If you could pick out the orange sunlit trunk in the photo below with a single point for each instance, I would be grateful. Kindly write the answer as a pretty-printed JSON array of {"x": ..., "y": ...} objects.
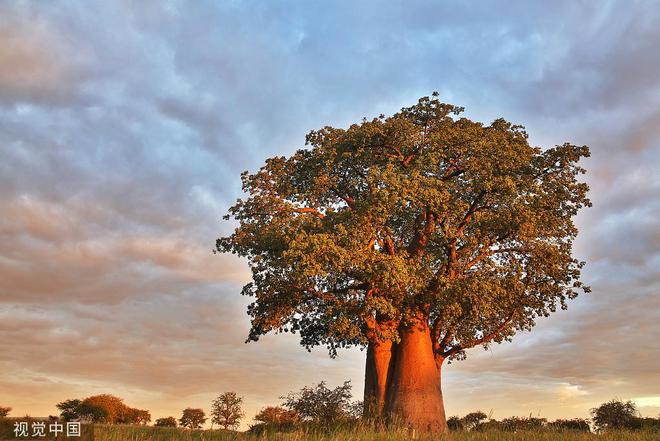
[{"x": 414, "y": 396}]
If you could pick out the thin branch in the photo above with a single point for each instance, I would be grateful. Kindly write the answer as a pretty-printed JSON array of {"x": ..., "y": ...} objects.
[
  {"x": 313, "y": 211},
  {"x": 485, "y": 339}
]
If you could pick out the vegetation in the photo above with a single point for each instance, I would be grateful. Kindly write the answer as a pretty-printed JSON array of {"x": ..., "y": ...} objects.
[
  {"x": 615, "y": 415},
  {"x": 192, "y": 418},
  {"x": 4, "y": 411},
  {"x": 322, "y": 405},
  {"x": 418, "y": 236},
  {"x": 226, "y": 410},
  {"x": 103, "y": 408},
  {"x": 578, "y": 424},
  {"x": 275, "y": 419},
  {"x": 165, "y": 422},
  {"x": 321, "y": 413},
  {"x": 337, "y": 433}
]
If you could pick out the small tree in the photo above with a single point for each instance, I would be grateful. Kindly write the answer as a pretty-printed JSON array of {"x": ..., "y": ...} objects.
[
  {"x": 4, "y": 411},
  {"x": 472, "y": 420},
  {"x": 136, "y": 416},
  {"x": 192, "y": 418},
  {"x": 69, "y": 409},
  {"x": 277, "y": 416},
  {"x": 226, "y": 410},
  {"x": 321, "y": 404},
  {"x": 165, "y": 422},
  {"x": 614, "y": 414}
]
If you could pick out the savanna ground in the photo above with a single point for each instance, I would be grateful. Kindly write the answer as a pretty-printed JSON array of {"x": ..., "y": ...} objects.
[{"x": 144, "y": 433}]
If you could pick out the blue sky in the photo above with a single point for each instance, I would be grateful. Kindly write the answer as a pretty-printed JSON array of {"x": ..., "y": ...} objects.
[{"x": 124, "y": 127}]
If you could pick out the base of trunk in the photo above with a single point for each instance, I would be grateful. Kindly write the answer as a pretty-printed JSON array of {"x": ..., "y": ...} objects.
[
  {"x": 377, "y": 376},
  {"x": 414, "y": 396}
]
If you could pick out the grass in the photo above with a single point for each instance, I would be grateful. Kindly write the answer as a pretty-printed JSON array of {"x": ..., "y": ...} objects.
[
  {"x": 146, "y": 433},
  {"x": 127, "y": 433}
]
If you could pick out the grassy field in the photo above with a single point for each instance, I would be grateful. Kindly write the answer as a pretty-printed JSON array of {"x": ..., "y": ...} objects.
[
  {"x": 141, "y": 433},
  {"x": 157, "y": 434}
]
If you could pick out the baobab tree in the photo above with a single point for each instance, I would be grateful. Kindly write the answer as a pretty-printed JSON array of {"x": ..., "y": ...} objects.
[{"x": 416, "y": 236}]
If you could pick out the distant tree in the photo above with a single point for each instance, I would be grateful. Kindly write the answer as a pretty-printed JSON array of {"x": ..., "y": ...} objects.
[
  {"x": 94, "y": 413},
  {"x": 4, "y": 411},
  {"x": 165, "y": 422},
  {"x": 277, "y": 416},
  {"x": 614, "y": 414},
  {"x": 103, "y": 408},
  {"x": 226, "y": 410},
  {"x": 135, "y": 416},
  {"x": 113, "y": 407},
  {"x": 192, "y": 418},
  {"x": 473, "y": 419},
  {"x": 454, "y": 423},
  {"x": 69, "y": 409},
  {"x": 577, "y": 424},
  {"x": 320, "y": 403}
]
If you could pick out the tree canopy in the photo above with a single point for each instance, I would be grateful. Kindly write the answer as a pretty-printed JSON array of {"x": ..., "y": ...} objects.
[
  {"x": 192, "y": 418},
  {"x": 421, "y": 214}
]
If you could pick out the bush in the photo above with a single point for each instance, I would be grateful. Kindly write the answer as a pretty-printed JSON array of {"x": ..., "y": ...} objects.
[
  {"x": 614, "y": 415},
  {"x": 320, "y": 404},
  {"x": 454, "y": 423},
  {"x": 516, "y": 424},
  {"x": 650, "y": 424},
  {"x": 577, "y": 424},
  {"x": 4, "y": 411},
  {"x": 165, "y": 422}
]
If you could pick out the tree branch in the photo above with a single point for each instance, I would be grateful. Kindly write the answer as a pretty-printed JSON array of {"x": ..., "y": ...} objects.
[
  {"x": 485, "y": 339},
  {"x": 313, "y": 211}
]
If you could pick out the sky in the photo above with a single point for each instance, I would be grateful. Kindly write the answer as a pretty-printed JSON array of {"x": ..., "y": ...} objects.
[{"x": 124, "y": 127}]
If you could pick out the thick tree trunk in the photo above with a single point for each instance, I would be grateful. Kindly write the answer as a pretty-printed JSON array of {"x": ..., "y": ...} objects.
[
  {"x": 414, "y": 394},
  {"x": 376, "y": 378}
]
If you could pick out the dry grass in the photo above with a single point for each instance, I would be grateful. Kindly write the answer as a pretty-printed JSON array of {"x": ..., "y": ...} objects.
[{"x": 355, "y": 433}]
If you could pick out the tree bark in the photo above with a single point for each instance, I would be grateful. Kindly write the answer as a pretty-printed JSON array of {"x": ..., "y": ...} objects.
[
  {"x": 378, "y": 371},
  {"x": 414, "y": 395}
]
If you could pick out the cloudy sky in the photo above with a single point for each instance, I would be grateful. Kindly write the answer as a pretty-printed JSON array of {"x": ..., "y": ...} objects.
[{"x": 124, "y": 127}]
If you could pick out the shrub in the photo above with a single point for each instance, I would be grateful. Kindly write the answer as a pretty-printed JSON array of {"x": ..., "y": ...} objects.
[
  {"x": 4, "y": 411},
  {"x": 165, "y": 422},
  {"x": 454, "y": 423},
  {"x": 321, "y": 404},
  {"x": 615, "y": 414},
  {"x": 515, "y": 424},
  {"x": 577, "y": 424}
]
